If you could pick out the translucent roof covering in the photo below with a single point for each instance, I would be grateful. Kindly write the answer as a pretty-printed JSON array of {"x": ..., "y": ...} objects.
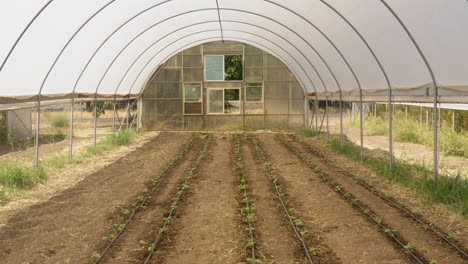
[{"x": 335, "y": 48}]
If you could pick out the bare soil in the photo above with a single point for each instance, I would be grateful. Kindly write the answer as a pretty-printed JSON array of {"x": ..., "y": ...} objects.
[
  {"x": 422, "y": 239},
  {"x": 324, "y": 213},
  {"x": 208, "y": 225},
  {"x": 65, "y": 228},
  {"x": 208, "y": 229}
]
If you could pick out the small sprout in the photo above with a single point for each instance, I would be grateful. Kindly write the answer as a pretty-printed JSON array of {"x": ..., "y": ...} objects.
[
  {"x": 379, "y": 220},
  {"x": 366, "y": 211},
  {"x": 409, "y": 246},
  {"x": 452, "y": 237},
  {"x": 304, "y": 232},
  {"x": 298, "y": 222},
  {"x": 250, "y": 243},
  {"x": 145, "y": 190},
  {"x": 168, "y": 219},
  {"x": 250, "y": 216},
  {"x": 313, "y": 251},
  {"x": 433, "y": 262},
  {"x": 125, "y": 212},
  {"x": 163, "y": 230},
  {"x": 253, "y": 260},
  {"x": 390, "y": 231},
  {"x": 150, "y": 247},
  {"x": 250, "y": 229},
  {"x": 339, "y": 187},
  {"x": 108, "y": 237},
  {"x": 95, "y": 255},
  {"x": 141, "y": 198}
]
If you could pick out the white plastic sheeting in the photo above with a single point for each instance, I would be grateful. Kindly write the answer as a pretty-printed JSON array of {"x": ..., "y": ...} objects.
[{"x": 56, "y": 48}]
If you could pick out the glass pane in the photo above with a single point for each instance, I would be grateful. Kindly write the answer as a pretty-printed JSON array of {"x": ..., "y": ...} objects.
[
  {"x": 232, "y": 101},
  {"x": 214, "y": 67},
  {"x": 215, "y": 101},
  {"x": 233, "y": 68},
  {"x": 192, "y": 92},
  {"x": 254, "y": 92}
]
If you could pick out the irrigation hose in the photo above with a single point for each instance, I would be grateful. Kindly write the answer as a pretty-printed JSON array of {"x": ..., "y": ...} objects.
[
  {"x": 168, "y": 168},
  {"x": 385, "y": 198}
]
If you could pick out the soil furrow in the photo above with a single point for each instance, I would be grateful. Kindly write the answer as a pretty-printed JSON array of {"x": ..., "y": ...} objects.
[
  {"x": 134, "y": 241},
  {"x": 350, "y": 235},
  {"x": 426, "y": 243},
  {"x": 65, "y": 228},
  {"x": 207, "y": 229},
  {"x": 277, "y": 241}
]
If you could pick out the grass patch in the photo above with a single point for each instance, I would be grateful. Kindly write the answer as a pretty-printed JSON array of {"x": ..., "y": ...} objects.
[
  {"x": 59, "y": 121},
  {"x": 450, "y": 142},
  {"x": 18, "y": 177},
  {"x": 451, "y": 190},
  {"x": 308, "y": 132},
  {"x": 15, "y": 177}
]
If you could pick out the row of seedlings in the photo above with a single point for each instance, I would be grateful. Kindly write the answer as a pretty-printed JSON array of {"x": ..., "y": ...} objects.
[
  {"x": 127, "y": 215},
  {"x": 390, "y": 232},
  {"x": 176, "y": 199},
  {"x": 297, "y": 225},
  {"x": 389, "y": 200},
  {"x": 248, "y": 207}
]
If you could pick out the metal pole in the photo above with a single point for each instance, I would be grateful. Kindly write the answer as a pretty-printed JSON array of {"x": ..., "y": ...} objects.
[
  {"x": 95, "y": 120},
  {"x": 138, "y": 116},
  {"x": 361, "y": 117},
  {"x": 420, "y": 116},
  {"x": 316, "y": 115},
  {"x": 436, "y": 137},
  {"x": 328, "y": 124},
  {"x": 453, "y": 120},
  {"x": 406, "y": 112},
  {"x": 128, "y": 115},
  {"x": 390, "y": 132},
  {"x": 38, "y": 124},
  {"x": 341, "y": 120},
  {"x": 427, "y": 117},
  {"x": 113, "y": 115},
  {"x": 72, "y": 119}
]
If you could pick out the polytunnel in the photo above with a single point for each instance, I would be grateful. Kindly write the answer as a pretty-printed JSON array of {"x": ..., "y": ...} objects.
[{"x": 356, "y": 51}]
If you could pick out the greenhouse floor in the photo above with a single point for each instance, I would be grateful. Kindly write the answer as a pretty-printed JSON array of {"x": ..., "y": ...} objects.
[{"x": 224, "y": 198}]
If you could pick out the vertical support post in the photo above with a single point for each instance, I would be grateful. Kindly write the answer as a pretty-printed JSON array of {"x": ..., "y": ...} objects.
[
  {"x": 316, "y": 115},
  {"x": 306, "y": 112},
  {"x": 38, "y": 127},
  {"x": 436, "y": 137},
  {"x": 427, "y": 118},
  {"x": 138, "y": 114},
  {"x": 328, "y": 124},
  {"x": 341, "y": 120},
  {"x": 420, "y": 115},
  {"x": 95, "y": 120},
  {"x": 390, "y": 132},
  {"x": 128, "y": 115},
  {"x": 453, "y": 121},
  {"x": 72, "y": 120},
  {"x": 113, "y": 115},
  {"x": 406, "y": 112},
  {"x": 361, "y": 117}
]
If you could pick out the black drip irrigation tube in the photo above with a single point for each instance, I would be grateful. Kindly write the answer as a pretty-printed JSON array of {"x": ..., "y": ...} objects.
[
  {"x": 389, "y": 201},
  {"x": 184, "y": 187},
  {"x": 268, "y": 173},
  {"x": 416, "y": 256},
  {"x": 245, "y": 198},
  {"x": 156, "y": 183}
]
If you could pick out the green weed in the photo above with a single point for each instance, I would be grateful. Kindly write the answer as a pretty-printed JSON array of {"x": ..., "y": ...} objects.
[
  {"x": 18, "y": 177},
  {"x": 450, "y": 190}
]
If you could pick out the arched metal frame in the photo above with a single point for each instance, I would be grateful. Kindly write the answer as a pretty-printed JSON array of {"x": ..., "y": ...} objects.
[{"x": 429, "y": 68}]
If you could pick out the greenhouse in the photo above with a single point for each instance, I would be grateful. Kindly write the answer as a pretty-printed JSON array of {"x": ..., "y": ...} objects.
[{"x": 328, "y": 131}]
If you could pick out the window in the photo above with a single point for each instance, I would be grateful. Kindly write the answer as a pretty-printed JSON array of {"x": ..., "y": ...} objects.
[
  {"x": 193, "y": 99},
  {"x": 254, "y": 98},
  {"x": 223, "y": 68},
  {"x": 224, "y": 101}
]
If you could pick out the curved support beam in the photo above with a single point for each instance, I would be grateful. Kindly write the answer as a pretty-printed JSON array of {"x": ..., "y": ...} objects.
[
  {"x": 23, "y": 32},
  {"x": 434, "y": 81},
  {"x": 219, "y": 19},
  {"x": 146, "y": 65},
  {"x": 387, "y": 79},
  {"x": 230, "y": 21}
]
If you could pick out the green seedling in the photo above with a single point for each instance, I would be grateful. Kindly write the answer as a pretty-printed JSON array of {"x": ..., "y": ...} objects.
[
  {"x": 304, "y": 232},
  {"x": 298, "y": 223},
  {"x": 150, "y": 247},
  {"x": 125, "y": 212},
  {"x": 253, "y": 260},
  {"x": 108, "y": 237},
  {"x": 409, "y": 246},
  {"x": 433, "y": 262},
  {"x": 313, "y": 251},
  {"x": 95, "y": 255},
  {"x": 250, "y": 229},
  {"x": 452, "y": 237},
  {"x": 390, "y": 231},
  {"x": 250, "y": 243}
]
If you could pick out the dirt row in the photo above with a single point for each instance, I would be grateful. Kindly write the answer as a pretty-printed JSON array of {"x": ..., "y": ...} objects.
[{"x": 207, "y": 225}]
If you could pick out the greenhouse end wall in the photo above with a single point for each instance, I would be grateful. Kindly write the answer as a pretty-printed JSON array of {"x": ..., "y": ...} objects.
[{"x": 179, "y": 96}]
